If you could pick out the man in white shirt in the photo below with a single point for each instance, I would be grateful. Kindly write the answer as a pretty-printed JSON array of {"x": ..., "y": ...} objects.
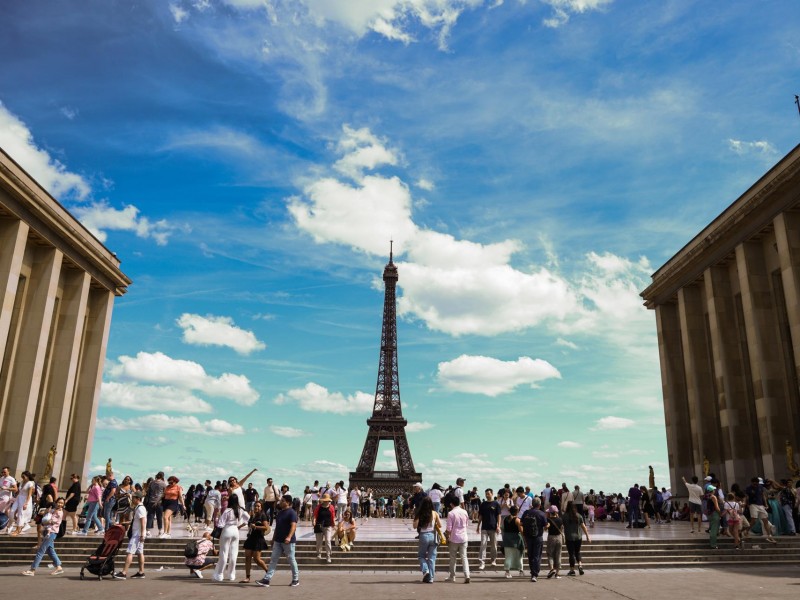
[
  {"x": 8, "y": 487},
  {"x": 695, "y": 502},
  {"x": 459, "y": 491},
  {"x": 523, "y": 501},
  {"x": 546, "y": 496},
  {"x": 271, "y": 496},
  {"x": 136, "y": 543}
]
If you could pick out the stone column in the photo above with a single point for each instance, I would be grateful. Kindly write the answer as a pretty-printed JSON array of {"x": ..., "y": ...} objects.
[
  {"x": 59, "y": 393},
  {"x": 673, "y": 382},
  {"x": 787, "y": 238},
  {"x": 699, "y": 380},
  {"x": 26, "y": 376},
  {"x": 738, "y": 436},
  {"x": 13, "y": 236},
  {"x": 766, "y": 363},
  {"x": 80, "y": 434}
]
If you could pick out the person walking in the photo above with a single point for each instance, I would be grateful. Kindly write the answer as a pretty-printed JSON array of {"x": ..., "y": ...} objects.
[
  {"x": 732, "y": 512},
  {"x": 634, "y": 506},
  {"x": 270, "y": 499},
  {"x": 714, "y": 516},
  {"x": 458, "y": 520},
  {"x": 574, "y": 526},
  {"x": 488, "y": 527},
  {"x": 324, "y": 523},
  {"x": 230, "y": 522},
  {"x": 109, "y": 500},
  {"x": 153, "y": 503},
  {"x": 72, "y": 501},
  {"x": 172, "y": 503},
  {"x": 283, "y": 542},
  {"x": 136, "y": 542},
  {"x": 427, "y": 523},
  {"x": 8, "y": 487},
  {"x": 93, "y": 499},
  {"x": 22, "y": 508},
  {"x": 513, "y": 544},
  {"x": 757, "y": 501},
  {"x": 534, "y": 522},
  {"x": 51, "y": 521},
  {"x": 555, "y": 536},
  {"x": 211, "y": 506},
  {"x": 256, "y": 542}
]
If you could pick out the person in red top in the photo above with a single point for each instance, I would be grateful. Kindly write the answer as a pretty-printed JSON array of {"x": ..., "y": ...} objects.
[{"x": 324, "y": 521}]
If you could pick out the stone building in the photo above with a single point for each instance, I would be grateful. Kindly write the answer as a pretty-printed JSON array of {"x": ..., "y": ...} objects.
[
  {"x": 57, "y": 290},
  {"x": 728, "y": 317}
]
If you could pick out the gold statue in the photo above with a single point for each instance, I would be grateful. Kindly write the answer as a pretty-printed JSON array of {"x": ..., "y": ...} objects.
[
  {"x": 109, "y": 470},
  {"x": 792, "y": 466},
  {"x": 652, "y": 478},
  {"x": 706, "y": 466},
  {"x": 51, "y": 459}
]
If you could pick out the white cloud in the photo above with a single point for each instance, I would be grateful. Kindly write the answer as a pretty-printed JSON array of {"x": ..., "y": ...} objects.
[
  {"x": 415, "y": 426},
  {"x": 221, "y": 140},
  {"x": 287, "y": 432},
  {"x": 492, "y": 377},
  {"x": 568, "y": 444},
  {"x": 98, "y": 217},
  {"x": 217, "y": 331},
  {"x": 150, "y": 397},
  {"x": 158, "y": 368},
  {"x": 17, "y": 141},
  {"x": 362, "y": 150},
  {"x": 178, "y": 13},
  {"x": 520, "y": 458},
  {"x": 426, "y": 184},
  {"x": 566, "y": 344},
  {"x": 315, "y": 398},
  {"x": 161, "y": 422},
  {"x": 748, "y": 148},
  {"x": 563, "y": 9},
  {"x": 69, "y": 112},
  {"x": 611, "y": 423}
]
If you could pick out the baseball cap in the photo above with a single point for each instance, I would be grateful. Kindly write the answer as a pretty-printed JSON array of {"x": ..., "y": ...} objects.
[{"x": 710, "y": 488}]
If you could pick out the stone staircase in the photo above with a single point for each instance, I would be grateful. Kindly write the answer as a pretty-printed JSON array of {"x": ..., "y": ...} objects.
[{"x": 402, "y": 555}]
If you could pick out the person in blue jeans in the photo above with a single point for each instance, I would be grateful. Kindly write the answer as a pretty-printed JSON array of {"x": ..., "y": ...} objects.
[
  {"x": 283, "y": 542},
  {"x": 51, "y": 527},
  {"x": 634, "y": 505},
  {"x": 92, "y": 507},
  {"x": 426, "y": 522},
  {"x": 109, "y": 500}
]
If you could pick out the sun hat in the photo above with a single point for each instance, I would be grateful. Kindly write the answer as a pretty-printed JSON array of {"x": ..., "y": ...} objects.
[
  {"x": 553, "y": 509},
  {"x": 325, "y": 498}
]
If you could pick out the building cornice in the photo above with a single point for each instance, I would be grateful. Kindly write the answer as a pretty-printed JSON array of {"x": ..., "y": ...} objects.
[
  {"x": 746, "y": 217},
  {"x": 30, "y": 202}
]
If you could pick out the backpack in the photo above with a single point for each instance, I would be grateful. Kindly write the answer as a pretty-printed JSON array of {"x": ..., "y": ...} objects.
[
  {"x": 530, "y": 524},
  {"x": 191, "y": 550},
  {"x": 123, "y": 502}
]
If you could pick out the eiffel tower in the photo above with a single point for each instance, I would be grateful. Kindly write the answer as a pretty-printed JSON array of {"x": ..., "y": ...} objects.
[{"x": 387, "y": 422}]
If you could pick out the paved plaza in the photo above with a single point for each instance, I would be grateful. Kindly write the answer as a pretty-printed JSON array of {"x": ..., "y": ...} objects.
[{"x": 663, "y": 584}]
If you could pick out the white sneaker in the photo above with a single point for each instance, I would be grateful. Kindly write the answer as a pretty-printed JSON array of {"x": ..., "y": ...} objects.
[{"x": 198, "y": 574}]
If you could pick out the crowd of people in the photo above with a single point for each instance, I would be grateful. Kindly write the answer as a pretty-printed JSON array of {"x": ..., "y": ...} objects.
[{"x": 509, "y": 521}]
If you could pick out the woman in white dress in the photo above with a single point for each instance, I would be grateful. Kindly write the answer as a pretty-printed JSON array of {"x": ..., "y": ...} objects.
[{"x": 22, "y": 509}]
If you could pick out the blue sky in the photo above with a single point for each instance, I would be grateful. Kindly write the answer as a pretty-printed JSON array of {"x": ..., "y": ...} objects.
[{"x": 534, "y": 161}]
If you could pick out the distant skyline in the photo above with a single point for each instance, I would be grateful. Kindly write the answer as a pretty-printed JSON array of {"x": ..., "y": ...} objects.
[{"x": 533, "y": 161}]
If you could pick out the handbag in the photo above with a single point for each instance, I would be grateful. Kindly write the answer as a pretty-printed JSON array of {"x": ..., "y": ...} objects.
[
  {"x": 216, "y": 532},
  {"x": 440, "y": 537}
]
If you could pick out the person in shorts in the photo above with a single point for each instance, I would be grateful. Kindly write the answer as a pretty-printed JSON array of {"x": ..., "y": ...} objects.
[
  {"x": 136, "y": 542},
  {"x": 201, "y": 562},
  {"x": 695, "y": 502}
]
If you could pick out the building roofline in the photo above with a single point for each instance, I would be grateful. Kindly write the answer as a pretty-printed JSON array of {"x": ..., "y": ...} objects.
[
  {"x": 47, "y": 217},
  {"x": 746, "y": 216}
]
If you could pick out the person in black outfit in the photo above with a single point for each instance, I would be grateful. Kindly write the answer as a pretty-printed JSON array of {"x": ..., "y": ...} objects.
[
  {"x": 256, "y": 542},
  {"x": 73, "y": 500},
  {"x": 534, "y": 522}
]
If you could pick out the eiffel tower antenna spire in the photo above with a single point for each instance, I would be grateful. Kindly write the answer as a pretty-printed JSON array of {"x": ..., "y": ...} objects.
[{"x": 387, "y": 422}]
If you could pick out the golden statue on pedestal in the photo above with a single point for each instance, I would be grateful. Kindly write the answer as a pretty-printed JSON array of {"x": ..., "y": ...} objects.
[
  {"x": 706, "y": 467},
  {"x": 652, "y": 478},
  {"x": 794, "y": 470},
  {"x": 48, "y": 467},
  {"x": 109, "y": 470}
]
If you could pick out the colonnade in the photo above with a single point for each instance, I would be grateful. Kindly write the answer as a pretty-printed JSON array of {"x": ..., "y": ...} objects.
[{"x": 57, "y": 290}]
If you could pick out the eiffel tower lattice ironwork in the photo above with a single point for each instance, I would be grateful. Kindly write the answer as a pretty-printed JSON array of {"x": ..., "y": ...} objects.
[{"x": 387, "y": 422}]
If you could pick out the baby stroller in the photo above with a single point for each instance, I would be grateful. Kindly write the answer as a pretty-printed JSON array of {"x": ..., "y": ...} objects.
[{"x": 101, "y": 563}]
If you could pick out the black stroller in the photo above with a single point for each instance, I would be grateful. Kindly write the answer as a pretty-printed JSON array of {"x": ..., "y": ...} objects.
[{"x": 101, "y": 563}]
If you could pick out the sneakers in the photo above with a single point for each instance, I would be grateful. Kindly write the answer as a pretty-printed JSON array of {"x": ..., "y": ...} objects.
[
  {"x": 571, "y": 573},
  {"x": 466, "y": 580},
  {"x": 263, "y": 582},
  {"x": 481, "y": 567},
  {"x": 319, "y": 556},
  {"x": 58, "y": 571},
  {"x": 508, "y": 574},
  {"x": 329, "y": 560},
  {"x": 533, "y": 578},
  {"x": 580, "y": 570},
  {"x": 426, "y": 578},
  {"x": 120, "y": 575},
  {"x": 294, "y": 583},
  {"x": 137, "y": 575},
  {"x": 79, "y": 532},
  {"x": 197, "y": 574},
  {"x": 29, "y": 573},
  {"x": 493, "y": 563},
  {"x": 450, "y": 580},
  {"x": 551, "y": 574}
]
